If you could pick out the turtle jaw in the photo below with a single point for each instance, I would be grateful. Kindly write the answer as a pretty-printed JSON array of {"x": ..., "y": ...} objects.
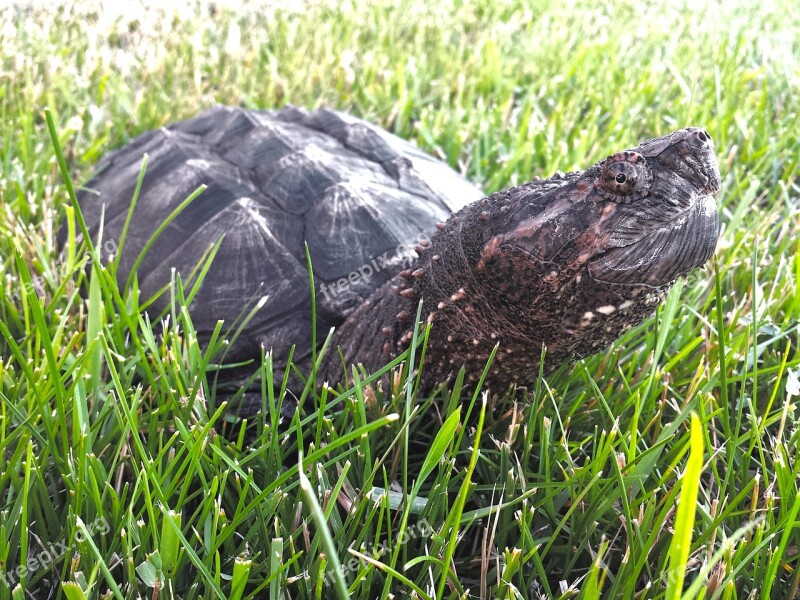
[{"x": 677, "y": 247}]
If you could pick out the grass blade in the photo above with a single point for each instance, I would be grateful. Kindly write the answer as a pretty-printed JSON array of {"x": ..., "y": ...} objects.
[
  {"x": 339, "y": 584},
  {"x": 687, "y": 506}
]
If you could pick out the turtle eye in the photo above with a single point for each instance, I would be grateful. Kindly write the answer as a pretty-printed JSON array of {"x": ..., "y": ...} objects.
[{"x": 624, "y": 177}]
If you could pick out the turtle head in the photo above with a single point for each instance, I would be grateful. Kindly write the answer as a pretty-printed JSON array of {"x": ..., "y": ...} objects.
[
  {"x": 641, "y": 217},
  {"x": 595, "y": 251},
  {"x": 659, "y": 217}
]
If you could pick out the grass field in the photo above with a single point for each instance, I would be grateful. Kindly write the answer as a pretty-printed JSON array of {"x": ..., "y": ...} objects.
[{"x": 113, "y": 480}]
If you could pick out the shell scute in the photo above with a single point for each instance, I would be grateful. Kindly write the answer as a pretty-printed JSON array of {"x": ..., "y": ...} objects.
[{"x": 359, "y": 196}]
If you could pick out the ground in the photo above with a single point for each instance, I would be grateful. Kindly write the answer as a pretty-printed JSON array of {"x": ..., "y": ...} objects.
[{"x": 114, "y": 478}]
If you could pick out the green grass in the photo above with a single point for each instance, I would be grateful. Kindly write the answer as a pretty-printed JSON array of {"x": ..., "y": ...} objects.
[{"x": 109, "y": 444}]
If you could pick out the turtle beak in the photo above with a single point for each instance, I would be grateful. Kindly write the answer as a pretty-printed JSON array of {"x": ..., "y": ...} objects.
[
  {"x": 690, "y": 153},
  {"x": 704, "y": 149}
]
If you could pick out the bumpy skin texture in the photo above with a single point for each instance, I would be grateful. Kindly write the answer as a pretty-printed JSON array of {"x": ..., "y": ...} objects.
[{"x": 566, "y": 263}]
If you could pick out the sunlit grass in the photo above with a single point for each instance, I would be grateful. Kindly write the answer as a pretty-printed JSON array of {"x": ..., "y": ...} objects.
[{"x": 114, "y": 478}]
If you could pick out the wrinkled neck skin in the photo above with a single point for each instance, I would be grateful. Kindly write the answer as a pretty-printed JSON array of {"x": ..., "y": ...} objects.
[{"x": 477, "y": 294}]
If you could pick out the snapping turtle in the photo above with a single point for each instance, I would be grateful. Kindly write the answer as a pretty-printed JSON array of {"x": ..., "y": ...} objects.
[{"x": 568, "y": 262}]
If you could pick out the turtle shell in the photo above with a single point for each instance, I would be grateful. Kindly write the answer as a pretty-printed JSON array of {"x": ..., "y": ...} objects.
[{"x": 277, "y": 180}]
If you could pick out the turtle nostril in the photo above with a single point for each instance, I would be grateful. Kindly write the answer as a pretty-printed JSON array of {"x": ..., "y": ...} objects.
[{"x": 704, "y": 137}]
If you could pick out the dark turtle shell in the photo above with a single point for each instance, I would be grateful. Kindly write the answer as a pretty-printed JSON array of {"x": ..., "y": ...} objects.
[{"x": 358, "y": 196}]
